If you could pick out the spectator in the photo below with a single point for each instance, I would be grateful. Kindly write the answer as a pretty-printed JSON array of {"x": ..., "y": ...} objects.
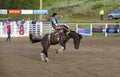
[
  {"x": 7, "y": 22},
  {"x": 34, "y": 21},
  {"x": 101, "y": 14},
  {"x": 22, "y": 22},
  {"x": 8, "y": 33},
  {"x": 18, "y": 22}
]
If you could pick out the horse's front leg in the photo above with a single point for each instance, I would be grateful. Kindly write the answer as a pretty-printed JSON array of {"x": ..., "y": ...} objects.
[
  {"x": 62, "y": 43},
  {"x": 61, "y": 48}
]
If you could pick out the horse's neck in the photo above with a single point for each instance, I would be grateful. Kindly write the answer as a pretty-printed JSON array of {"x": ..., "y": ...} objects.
[{"x": 72, "y": 34}]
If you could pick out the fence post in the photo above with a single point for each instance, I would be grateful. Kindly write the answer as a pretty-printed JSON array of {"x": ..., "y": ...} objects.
[
  {"x": 41, "y": 26},
  {"x": 118, "y": 29},
  {"x": 36, "y": 28},
  {"x": 106, "y": 26},
  {"x": 77, "y": 28},
  {"x": 0, "y": 28},
  {"x": 28, "y": 25},
  {"x": 90, "y": 29},
  {"x": 49, "y": 29},
  {"x": 32, "y": 28},
  {"x": 15, "y": 28}
]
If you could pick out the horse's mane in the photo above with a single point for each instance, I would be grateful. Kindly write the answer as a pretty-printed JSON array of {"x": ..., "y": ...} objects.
[{"x": 75, "y": 33}]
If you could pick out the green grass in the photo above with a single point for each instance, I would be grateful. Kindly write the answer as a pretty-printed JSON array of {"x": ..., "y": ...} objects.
[{"x": 80, "y": 10}]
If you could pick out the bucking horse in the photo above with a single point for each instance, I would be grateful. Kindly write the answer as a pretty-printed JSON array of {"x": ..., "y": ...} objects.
[{"x": 56, "y": 38}]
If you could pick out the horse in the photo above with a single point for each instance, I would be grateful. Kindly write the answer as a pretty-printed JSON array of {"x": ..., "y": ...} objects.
[{"x": 53, "y": 39}]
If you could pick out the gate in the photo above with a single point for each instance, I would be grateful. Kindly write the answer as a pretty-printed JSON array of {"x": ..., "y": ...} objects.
[{"x": 21, "y": 30}]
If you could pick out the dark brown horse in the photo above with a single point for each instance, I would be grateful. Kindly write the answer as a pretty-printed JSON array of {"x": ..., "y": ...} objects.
[{"x": 55, "y": 38}]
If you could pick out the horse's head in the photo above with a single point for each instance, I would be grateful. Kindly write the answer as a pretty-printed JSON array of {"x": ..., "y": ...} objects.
[
  {"x": 77, "y": 41},
  {"x": 76, "y": 37}
]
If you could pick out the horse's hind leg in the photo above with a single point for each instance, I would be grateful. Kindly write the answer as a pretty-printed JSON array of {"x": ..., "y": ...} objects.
[{"x": 44, "y": 55}]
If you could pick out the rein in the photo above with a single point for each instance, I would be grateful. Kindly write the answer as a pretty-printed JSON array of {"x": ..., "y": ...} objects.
[{"x": 68, "y": 32}]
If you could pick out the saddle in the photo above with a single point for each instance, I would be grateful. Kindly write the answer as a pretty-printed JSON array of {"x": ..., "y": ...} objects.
[{"x": 55, "y": 36}]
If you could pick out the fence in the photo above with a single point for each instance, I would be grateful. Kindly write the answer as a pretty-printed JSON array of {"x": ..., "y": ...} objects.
[
  {"x": 113, "y": 29},
  {"x": 98, "y": 29},
  {"x": 106, "y": 29},
  {"x": 86, "y": 29}
]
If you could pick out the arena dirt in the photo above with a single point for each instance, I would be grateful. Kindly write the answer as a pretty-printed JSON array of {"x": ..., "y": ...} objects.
[{"x": 96, "y": 57}]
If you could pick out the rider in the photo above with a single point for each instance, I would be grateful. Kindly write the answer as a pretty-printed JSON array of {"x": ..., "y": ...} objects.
[
  {"x": 57, "y": 27},
  {"x": 55, "y": 22}
]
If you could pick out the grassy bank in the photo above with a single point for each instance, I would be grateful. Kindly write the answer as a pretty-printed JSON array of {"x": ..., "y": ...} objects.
[{"x": 81, "y": 10}]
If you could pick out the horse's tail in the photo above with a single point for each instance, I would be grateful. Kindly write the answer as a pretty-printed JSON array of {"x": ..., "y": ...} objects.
[{"x": 33, "y": 39}]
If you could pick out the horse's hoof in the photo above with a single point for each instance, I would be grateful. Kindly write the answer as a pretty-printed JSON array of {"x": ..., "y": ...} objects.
[
  {"x": 47, "y": 60},
  {"x": 42, "y": 60},
  {"x": 56, "y": 50},
  {"x": 60, "y": 51}
]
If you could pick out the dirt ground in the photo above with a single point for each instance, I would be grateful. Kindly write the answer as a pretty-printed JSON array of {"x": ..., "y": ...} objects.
[{"x": 96, "y": 57}]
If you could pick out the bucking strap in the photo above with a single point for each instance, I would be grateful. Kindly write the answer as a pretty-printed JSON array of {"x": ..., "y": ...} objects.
[{"x": 49, "y": 38}]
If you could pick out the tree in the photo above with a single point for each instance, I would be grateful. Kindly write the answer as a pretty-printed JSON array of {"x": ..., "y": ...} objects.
[{"x": 20, "y": 4}]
